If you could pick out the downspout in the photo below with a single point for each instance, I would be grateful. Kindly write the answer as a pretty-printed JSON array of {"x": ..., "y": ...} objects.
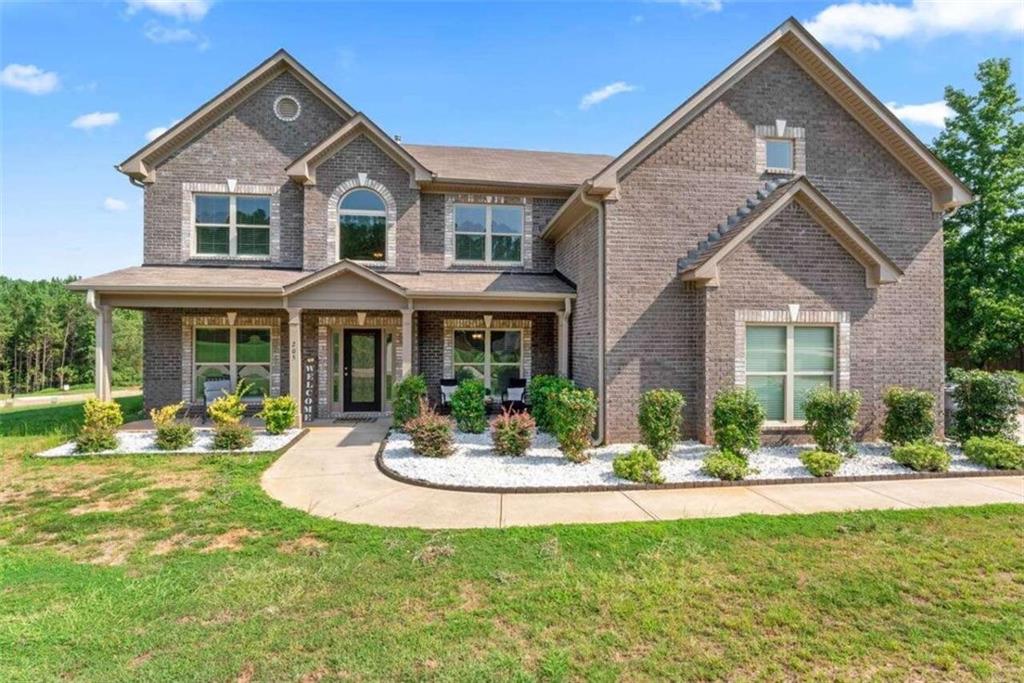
[{"x": 601, "y": 393}]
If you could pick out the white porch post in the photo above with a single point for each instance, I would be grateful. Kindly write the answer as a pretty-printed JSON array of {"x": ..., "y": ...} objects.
[
  {"x": 563, "y": 339},
  {"x": 104, "y": 344},
  {"x": 406, "y": 342},
  {"x": 295, "y": 361}
]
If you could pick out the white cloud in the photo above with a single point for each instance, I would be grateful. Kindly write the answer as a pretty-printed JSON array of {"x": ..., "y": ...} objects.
[
  {"x": 928, "y": 114},
  {"x": 860, "y": 26},
  {"x": 114, "y": 205},
  {"x": 156, "y": 32},
  {"x": 96, "y": 119},
  {"x": 704, "y": 5},
  {"x": 29, "y": 78},
  {"x": 154, "y": 133},
  {"x": 601, "y": 94},
  {"x": 193, "y": 10}
]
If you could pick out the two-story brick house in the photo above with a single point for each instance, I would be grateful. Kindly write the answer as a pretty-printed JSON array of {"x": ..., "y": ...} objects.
[{"x": 781, "y": 229}]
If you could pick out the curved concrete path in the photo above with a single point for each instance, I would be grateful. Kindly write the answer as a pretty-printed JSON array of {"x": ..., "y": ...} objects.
[{"x": 331, "y": 473}]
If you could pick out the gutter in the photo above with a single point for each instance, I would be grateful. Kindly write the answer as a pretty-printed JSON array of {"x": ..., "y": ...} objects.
[{"x": 601, "y": 393}]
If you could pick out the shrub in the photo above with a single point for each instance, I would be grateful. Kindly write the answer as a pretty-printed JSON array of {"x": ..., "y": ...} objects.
[
  {"x": 736, "y": 420},
  {"x": 278, "y": 413},
  {"x": 162, "y": 417},
  {"x": 92, "y": 439},
  {"x": 512, "y": 432},
  {"x": 542, "y": 388},
  {"x": 468, "y": 407},
  {"x": 986, "y": 404},
  {"x": 573, "y": 414},
  {"x": 229, "y": 408},
  {"x": 408, "y": 394},
  {"x": 922, "y": 456},
  {"x": 232, "y": 436},
  {"x": 640, "y": 465},
  {"x": 727, "y": 466},
  {"x": 174, "y": 436},
  {"x": 831, "y": 419},
  {"x": 910, "y": 415},
  {"x": 660, "y": 413},
  {"x": 994, "y": 452},
  {"x": 821, "y": 463},
  {"x": 432, "y": 434},
  {"x": 102, "y": 414}
]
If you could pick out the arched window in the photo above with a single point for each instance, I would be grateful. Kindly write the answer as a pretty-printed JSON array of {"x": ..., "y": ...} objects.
[{"x": 362, "y": 226}]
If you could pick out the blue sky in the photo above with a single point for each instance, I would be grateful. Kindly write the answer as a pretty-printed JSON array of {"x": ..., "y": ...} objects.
[{"x": 83, "y": 83}]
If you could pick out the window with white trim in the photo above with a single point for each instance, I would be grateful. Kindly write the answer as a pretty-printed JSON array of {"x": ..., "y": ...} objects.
[
  {"x": 491, "y": 356},
  {"x": 233, "y": 354},
  {"x": 779, "y": 153},
  {"x": 231, "y": 225},
  {"x": 362, "y": 226},
  {"x": 785, "y": 363},
  {"x": 488, "y": 233}
]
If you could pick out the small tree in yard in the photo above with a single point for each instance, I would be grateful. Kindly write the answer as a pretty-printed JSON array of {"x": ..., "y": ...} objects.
[
  {"x": 736, "y": 420},
  {"x": 831, "y": 419},
  {"x": 573, "y": 414},
  {"x": 910, "y": 415},
  {"x": 541, "y": 389},
  {"x": 660, "y": 413},
  {"x": 408, "y": 395},
  {"x": 986, "y": 403},
  {"x": 468, "y": 407}
]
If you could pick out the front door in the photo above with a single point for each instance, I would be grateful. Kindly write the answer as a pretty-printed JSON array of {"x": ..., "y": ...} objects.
[{"x": 361, "y": 370}]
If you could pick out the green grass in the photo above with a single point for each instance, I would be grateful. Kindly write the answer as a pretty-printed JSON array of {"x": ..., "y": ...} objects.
[
  {"x": 75, "y": 389},
  {"x": 181, "y": 568}
]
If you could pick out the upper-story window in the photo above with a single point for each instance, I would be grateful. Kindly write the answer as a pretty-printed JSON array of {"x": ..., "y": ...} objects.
[
  {"x": 779, "y": 152},
  {"x": 488, "y": 233},
  {"x": 362, "y": 226},
  {"x": 232, "y": 225}
]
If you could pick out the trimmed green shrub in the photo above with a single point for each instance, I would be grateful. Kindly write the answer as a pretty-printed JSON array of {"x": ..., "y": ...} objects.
[
  {"x": 727, "y": 466},
  {"x": 539, "y": 392},
  {"x": 102, "y": 414},
  {"x": 174, "y": 436},
  {"x": 232, "y": 436},
  {"x": 408, "y": 394},
  {"x": 660, "y": 413},
  {"x": 166, "y": 415},
  {"x": 93, "y": 439},
  {"x": 512, "y": 432},
  {"x": 278, "y": 413},
  {"x": 573, "y": 414},
  {"x": 831, "y": 419},
  {"x": 995, "y": 452},
  {"x": 910, "y": 415},
  {"x": 229, "y": 408},
  {"x": 986, "y": 403},
  {"x": 922, "y": 456},
  {"x": 432, "y": 434},
  {"x": 638, "y": 465},
  {"x": 821, "y": 463},
  {"x": 468, "y": 407},
  {"x": 736, "y": 420}
]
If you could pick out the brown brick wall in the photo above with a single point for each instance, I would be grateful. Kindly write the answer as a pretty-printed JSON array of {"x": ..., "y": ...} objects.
[{"x": 576, "y": 259}]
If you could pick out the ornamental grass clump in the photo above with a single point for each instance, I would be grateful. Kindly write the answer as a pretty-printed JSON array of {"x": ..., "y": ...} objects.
[
  {"x": 408, "y": 394},
  {"x": 736, "y": 420},
  {"x": 727, "y": 466},
  {"x": 639, "y": 465},
  {"x": 821, "y": 463},
  {"x": 995, "y": 452},
  {"x": 922, "y": 456},
  {"x": 831, "y": 419},
  {"x": 432, "y": 434},
  {"x": 512, "y": 432},
  {"x": 278, "y": 413},
  {"x": 660, "y": 413},
  {"x": 986, "y": 403},
  {"x": 99, "y": 427},
  {"x": 468, "y": 407},
  {"x": 573, "y": 414},
  {"x": 171, "y": 434},
  {"x": 540, "y": 391},
  {"x": 910, "y": 415}
]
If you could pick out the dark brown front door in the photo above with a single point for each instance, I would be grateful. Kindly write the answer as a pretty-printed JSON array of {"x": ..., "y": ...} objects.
[{"x": 362, "y": 371}]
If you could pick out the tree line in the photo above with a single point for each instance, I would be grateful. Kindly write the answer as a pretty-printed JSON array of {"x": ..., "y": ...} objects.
[{"x": 47, "y": 337}]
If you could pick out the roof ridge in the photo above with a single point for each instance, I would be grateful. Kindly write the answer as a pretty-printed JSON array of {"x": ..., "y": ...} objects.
[{"x": 505, "y": 149}]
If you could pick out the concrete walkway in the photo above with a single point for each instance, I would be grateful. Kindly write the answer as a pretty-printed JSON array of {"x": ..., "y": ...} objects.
[
  {"x": 52, "y": 399},
  {"x": 331, "y": 473}
]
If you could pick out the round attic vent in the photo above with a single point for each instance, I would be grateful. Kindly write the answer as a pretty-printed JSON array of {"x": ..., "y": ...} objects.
[{"x": 287, "y": 108}]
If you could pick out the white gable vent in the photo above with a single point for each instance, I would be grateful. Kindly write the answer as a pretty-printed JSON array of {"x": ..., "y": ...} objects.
[{"x": 287, "y": 108}]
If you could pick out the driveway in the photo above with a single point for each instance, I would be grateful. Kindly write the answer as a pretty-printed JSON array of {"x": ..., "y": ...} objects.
[{"x": 331, "y": 473}]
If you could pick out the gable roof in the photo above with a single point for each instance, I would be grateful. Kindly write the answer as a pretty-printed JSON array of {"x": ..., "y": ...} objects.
[
  {"x": 343, "y": 266},
  {"x": 701, "y": 266},
  {"x": 303, "y": 169},
  {"x": 140, "y": 165}
]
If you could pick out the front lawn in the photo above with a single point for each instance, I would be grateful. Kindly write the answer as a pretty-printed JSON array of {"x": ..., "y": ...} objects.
[{"x": 173, "y": 568}]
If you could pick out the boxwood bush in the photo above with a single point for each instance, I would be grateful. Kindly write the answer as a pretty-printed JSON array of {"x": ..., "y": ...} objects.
[
  {"x": 995, "y": 452},
  {"x": 512, "y": 432},
  {"x": 468, "y": 407},
  {"x": 910, "y": 415},
  {"x": 736, "y": 420},
  {"x": 432, "y": 434},
  {"x": 660, "y": 413},
  {"x": 638, "y": 465},
  {"x": 831, "y": 419},
  {"x": 232, "y": 436},
  {"x": 175, "y": 436},
  {"x": 406, "y": 403},
  {"x": 727, "y": 465},
  {"x": 922, "y": 456},
  {"x": 539, "y": 393},
  {"x": 573, "y": 414},
  {"x": 821, "y": 463},
  {"x": 986, "y": 403}
]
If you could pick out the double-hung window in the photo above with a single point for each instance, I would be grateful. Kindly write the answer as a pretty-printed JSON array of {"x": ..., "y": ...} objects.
[
  {"x": 232, "y": 225},
  {"x": 233, "y": 354},
  {"x": 785, "y": 363},
  {"x": 491, "y": 356},
  {"x": 488, "y": 233}
]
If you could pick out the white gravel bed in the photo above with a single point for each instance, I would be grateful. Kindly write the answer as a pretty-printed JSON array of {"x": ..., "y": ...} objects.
[
  {"x": 474, "y": 463},
  {"x": 143, "y": 441}
]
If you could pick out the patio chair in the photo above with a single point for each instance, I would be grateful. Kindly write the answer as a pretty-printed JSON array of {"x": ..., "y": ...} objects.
[
  {"x": 448, "y": 387},
  {"x": 212, "y": 390},
  {"x": 514, "y": 396}
]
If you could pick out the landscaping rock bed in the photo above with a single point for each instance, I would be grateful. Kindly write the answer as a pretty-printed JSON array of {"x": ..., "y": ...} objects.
[
  {"x": 476, "y": 465},
  {"x": 143, "y": 442}
]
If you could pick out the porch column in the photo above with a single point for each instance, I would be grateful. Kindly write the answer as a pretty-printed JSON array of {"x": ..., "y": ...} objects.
[
  {"x": 563, "y": 339},
  {"x": 104, "y": 344},
  {"x": 295, "y": 361},
  {"x": 406, "y": 342}
]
